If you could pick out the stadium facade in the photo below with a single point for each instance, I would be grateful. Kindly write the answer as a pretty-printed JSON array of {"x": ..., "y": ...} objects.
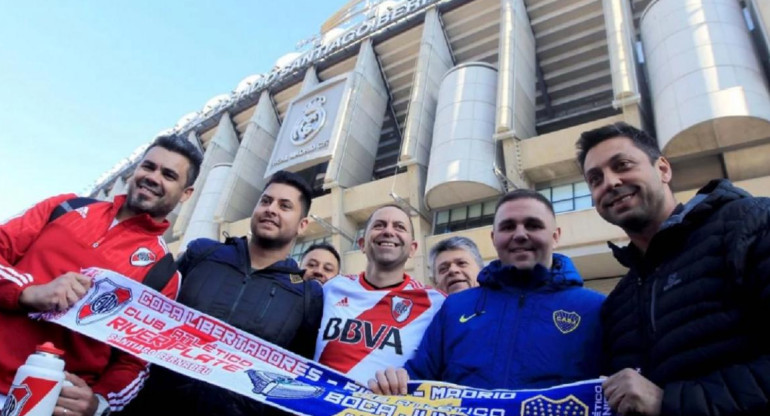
[{"x": 443, "y": 105}]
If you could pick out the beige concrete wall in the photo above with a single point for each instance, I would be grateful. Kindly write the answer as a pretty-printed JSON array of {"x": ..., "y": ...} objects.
[{"x": 551, "y": 156}]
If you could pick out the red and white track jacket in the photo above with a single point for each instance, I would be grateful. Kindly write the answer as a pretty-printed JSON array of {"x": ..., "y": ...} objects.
[{"x": 34, "y": 251}]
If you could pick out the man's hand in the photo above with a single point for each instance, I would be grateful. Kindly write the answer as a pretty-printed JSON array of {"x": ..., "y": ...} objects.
[
  {"x": 76, "y": 400},
  {"x": 390, "y": 382},
  {"x": 628, "y": 392},
  {"x": 58, "y": 294}
]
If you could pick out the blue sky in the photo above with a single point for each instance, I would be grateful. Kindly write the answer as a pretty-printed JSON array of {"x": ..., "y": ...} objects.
[{"x": 84, "y": 83}]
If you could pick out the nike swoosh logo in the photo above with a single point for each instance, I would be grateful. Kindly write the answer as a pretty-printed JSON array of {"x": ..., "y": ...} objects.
[{"x": 464, "y": 319}]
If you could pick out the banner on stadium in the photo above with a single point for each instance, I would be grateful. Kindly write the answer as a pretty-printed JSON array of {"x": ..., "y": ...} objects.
[{"x": 134, "y": 318}]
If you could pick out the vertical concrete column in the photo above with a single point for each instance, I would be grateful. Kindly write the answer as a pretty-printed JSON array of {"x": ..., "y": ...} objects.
[
  {"x": 118, "y": 188},
  {"x": 193, "y": 138},
  {"x": 341, "y": 222},
  {"x": 516, "y": 75},
  {"x": 246, "y": 179},
  {"x": 359, "y": 123},
  {"x": 221, "y": 149},
  {"x": 416, "y": 175},
  {"x": 309, "y": 82},
  {"x": 433, "y": 61},
  {"x": 619, "y": 25},
  {"x": 516, "y": 94},
  {"x": 202, "y": 224}
]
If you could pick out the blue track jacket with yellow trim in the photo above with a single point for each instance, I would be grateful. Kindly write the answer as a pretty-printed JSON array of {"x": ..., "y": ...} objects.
[{"x": 520, "y": 329}]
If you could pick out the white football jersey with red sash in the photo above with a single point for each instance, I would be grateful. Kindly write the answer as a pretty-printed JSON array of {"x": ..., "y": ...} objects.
[{"x": 365, "y": 329}]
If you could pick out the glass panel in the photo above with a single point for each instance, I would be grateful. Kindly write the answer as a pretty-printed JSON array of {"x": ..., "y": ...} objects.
[
  {"x": 442, "y": 217},
  {"x": 474, "y": 211},
  {"x": 489, "y": 207},
  {"x": 561, "y": 193},
  {"x": 581, "y": 189},
  {"x": 459, "y": 214},
  {"x": 583, "y": 202},
  {"x": 562, "y": 206},
  {"x": 546, "y": 193}
]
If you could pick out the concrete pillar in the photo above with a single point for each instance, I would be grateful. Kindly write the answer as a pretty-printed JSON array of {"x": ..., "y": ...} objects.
[
  {"x": 359, "y": 122},
  {"x": 619, "y": 25},
  {"x": 246, "y": 179},
  {"x": 202, "y": 224},
  {"x": 120, "y": 187},
  {"x": 433, "y": 61},
  {"x": 221, "y": 149},
  {"x": 516, "y": 80}
]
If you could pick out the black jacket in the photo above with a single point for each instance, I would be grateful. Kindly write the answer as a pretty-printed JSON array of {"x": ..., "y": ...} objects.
[
  {"x": 274, "y": 304},
  {"x": 693, "y": 312}
]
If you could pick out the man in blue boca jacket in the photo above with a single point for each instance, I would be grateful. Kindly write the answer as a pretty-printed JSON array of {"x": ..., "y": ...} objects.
[{"x": 530, "y": 324}]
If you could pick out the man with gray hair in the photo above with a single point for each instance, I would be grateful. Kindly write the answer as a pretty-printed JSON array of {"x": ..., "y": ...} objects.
[{"x": 455, "y": 264}]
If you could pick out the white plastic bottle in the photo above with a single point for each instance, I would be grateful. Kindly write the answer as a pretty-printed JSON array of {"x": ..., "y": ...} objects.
[{"x": 37, "y": 383}]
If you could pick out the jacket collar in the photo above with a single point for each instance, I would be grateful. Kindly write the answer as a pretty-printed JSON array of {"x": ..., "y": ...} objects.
[
  {"x": 241, "y": 245},
  {"x": 561, "y": 273},
  {"x": 709, "y": 199},
  {"x": 143, "y": 221}
]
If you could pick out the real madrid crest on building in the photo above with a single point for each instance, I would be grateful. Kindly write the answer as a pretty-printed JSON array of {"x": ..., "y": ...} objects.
[
  {"x": 307, "y": 127},
  {"x": 306, "y": 136}
]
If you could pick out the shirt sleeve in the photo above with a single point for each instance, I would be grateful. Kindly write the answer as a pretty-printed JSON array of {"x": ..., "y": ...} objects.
[{"x": 16, "y": 237}]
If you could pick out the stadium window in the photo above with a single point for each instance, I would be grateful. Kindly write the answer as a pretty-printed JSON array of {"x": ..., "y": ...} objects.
[
  {"x": 464, "y": 217},
  {"x": 301, "y": 246},
  {"x": 570, "y": 197}
]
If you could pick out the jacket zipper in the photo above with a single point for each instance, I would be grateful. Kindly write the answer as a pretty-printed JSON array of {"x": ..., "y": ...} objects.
[
  {"x": 237, "y": 298},
  {"x": 520, "y": 306},
  {"x": 652, "y": 304},
  {"x": 269, "y": 301}
]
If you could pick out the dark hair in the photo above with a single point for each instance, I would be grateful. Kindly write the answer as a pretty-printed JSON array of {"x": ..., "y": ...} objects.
[
  {"x": 184, "y": 147},
  {"x": 398, "y": 207},
  {"x": 639, "y": 138},
  {"x": 324, "y": 246},
  {"x": 524, "y": 194},
  {"x": 294, "y": 180}
]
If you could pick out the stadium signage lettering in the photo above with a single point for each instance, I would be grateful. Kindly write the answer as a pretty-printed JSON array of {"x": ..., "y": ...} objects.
[{"x": 357, "y": 33}]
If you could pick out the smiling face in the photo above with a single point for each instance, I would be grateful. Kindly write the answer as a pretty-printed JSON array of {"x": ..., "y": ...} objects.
[
  {"x": 628, "y": 190},
  {"x": 455, "y": 271},
  {"x": 388, "y": 241},
  {"x": 320, "y": 264},
  {"x": 277, "y": 219},
  {"x": 158, "y": 183},
  {"x": 525, "y": 233}
]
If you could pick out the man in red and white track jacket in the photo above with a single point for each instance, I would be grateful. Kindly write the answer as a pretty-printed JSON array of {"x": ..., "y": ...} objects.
[
  {"x": 377, "y": 319},
  {"x": 41, "y": 260}
]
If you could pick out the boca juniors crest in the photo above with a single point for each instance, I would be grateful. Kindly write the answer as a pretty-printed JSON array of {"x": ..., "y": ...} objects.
[
  {"x": 546, "y": 406},
  {"x": 566, "y": 322},
  {"x": 106, "y": 299},
  {"x": 400, "y": 308}
]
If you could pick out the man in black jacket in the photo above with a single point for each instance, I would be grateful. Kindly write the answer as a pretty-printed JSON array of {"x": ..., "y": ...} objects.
[
  {"x": 684, "y": 330},
  {"x": 250, "y": 284}
]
